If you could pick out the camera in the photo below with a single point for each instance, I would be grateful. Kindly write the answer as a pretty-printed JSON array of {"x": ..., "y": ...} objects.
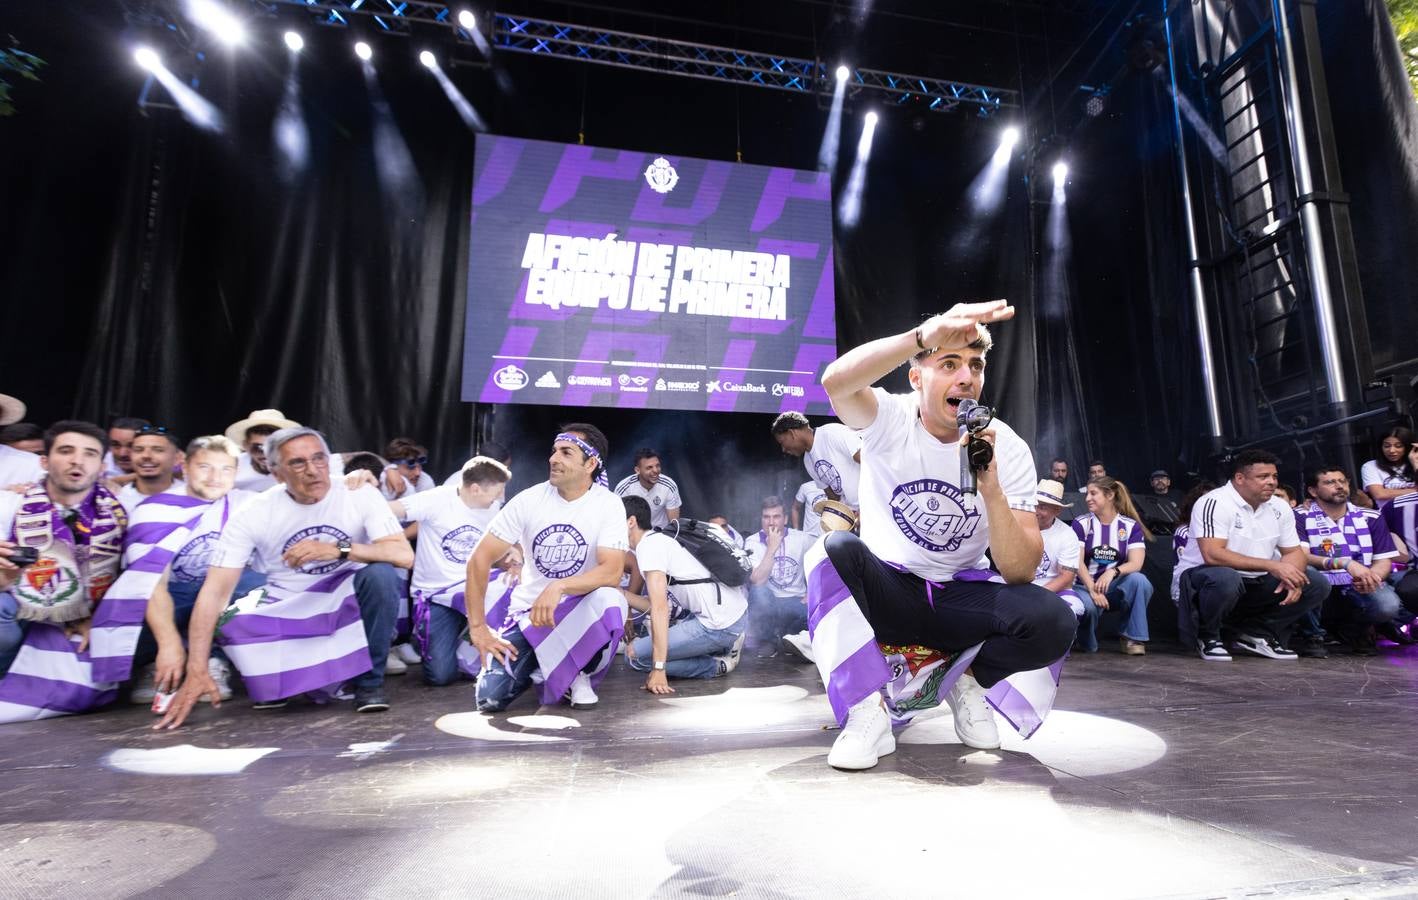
[
  {"x": 973, "y": 418},
  {"x": 24, "y": 556}
]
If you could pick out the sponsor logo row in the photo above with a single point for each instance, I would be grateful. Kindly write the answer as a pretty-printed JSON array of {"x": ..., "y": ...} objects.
[{"x": 513, "y": 378}]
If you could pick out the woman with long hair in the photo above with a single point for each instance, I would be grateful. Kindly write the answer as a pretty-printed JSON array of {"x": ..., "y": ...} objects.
[
  {"x": 1110, "y": 569},
  {"x": 1393, "y": 471}
]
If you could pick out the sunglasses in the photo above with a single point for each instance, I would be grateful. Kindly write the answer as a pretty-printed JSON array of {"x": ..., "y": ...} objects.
[
  {"x": 153, "y": 429},
  {"x": 412, "y": 461}
]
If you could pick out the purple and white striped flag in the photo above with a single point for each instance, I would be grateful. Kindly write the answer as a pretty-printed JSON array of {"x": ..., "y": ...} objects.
[
  {"x": 496, "y": 601},
  {"x": 51, "y": 677},
  {"x": 585, "y": 626},
  {"x": 853, "y": 666},
  {"x": 284, "y": 646}
]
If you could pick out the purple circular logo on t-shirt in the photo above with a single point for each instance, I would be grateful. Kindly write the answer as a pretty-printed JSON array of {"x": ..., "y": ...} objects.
[
  {"x": 328, "y": 533},
  {"x": 457, "y": 545},
  {"x": 828, "y": 475},
  {"x": 559, "y": 550},
  {"x": 785, "y": 571},
  {"x": 933, "y": 514},
  {"x": 192, "y": 561}
]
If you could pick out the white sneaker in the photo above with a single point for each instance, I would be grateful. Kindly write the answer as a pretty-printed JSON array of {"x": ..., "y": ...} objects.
[
  {"x": 408, "y": 653},
  {"x": 730, "y": 661},
  {"x": 394, "y": 665},
  {"x": 582, "y": 695},
  {"x": 143, "y": 688},
  {"x": 221, "y": 674},
  {"x": 866, "y": 737},
  {"x": 799, "y": 644},
  {"x": 974, "y": 720}
]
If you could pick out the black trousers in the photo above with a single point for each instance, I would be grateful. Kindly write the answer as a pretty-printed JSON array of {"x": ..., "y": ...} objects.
[{"x": 1022, "y": 626}]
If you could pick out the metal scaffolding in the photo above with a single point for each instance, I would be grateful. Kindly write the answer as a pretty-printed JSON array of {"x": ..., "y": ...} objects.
[{"x": 647, "y": 53}]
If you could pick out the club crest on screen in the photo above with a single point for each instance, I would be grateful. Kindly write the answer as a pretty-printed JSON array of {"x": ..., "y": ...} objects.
[{"x": 661, "y": 176}]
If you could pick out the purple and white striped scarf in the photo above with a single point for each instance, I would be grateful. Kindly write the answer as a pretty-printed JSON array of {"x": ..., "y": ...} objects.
[
  {"x": 585, "y": 626},
  {"x": 496, "y": 601},
  {"x": 1350, "y": 537},
  {"x": 51, "y": 677},
  {"x": 853, "y": 666},
  {"x": 284, "y": 646}
]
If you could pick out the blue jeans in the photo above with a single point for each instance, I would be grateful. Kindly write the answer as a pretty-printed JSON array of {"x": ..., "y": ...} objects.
[
  {"x": 1127, "y": 598},
  {"x": 500, "y": 684},
  {"x": 1346, "y": 606},
  {"x": 692, "y": 648},
  {"x": 771, "y": 616},
  {"x": 440, "y": 659},
  {"x": 12, "y": 630},
  {"x": 377, "y": 587},
  {"x": 184, "y": 598}
]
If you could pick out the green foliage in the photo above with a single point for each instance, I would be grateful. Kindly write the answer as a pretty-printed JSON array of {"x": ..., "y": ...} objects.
[
  {"x": 15, "y": 62},
  {"x": 1404, "y": 14}
]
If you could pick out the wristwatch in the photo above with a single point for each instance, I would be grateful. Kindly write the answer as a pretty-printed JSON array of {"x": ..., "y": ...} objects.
[
  {"x": 659, "y": 666},
  {"x": 344, "y": 548}
]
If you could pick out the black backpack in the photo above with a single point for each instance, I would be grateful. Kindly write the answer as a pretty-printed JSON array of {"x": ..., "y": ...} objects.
[{"x": 727, "y": 564}]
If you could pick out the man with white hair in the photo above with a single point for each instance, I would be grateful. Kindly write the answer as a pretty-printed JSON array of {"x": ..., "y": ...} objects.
[{"x": 327, "y": 615}]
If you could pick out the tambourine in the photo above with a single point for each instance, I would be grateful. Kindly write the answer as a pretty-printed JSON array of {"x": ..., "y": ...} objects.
[{"x": 835, "y": 515}]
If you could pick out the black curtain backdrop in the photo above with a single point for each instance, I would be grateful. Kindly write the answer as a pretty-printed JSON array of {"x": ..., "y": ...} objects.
[{"x": 158, "y": 270}]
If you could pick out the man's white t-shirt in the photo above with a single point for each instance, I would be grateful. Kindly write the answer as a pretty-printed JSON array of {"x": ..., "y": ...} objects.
[
  {"x": 191, "y": 561},
  {"x": 1061, "y": 551},
  {"x": 18, "y": 467},
  {"x": 448, "y": 531},
  {"x": 1372, "y": 473},
  {"x": 809, "y": 493},
  {"x": 788, "y": 578},
  {"x": 716, "y": 606},
  {"x": 1259, "y": 533},
  {"x": 559, "y": 539},
  {"x": 265, "y": 528},
  {"x": 130, "y": 498},
  {"x": 831, "y": 462},
  {"x": 662, "y": 497},
  {"x": 913, "y": 512}
]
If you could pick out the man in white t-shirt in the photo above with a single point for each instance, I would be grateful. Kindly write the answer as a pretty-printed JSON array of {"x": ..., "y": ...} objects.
[
  {"x": 918, "y": 575},
  {"x": 1058, "y": 568},
  {"x": 171, "y": 538},
  {"x": 328, "y": 554},
  {"x": 704, "y": 644},
  {"x": 567, "y": 612},
  {"x": 831, "y": 453},
  {"x": 250, "y": 433},
  {"x": 659, "y": 490},
  {"x": 805, "y": 517},
  {"x": 450, "y": 525},
  {"x": 155, "y": 456},
  {"x": 723, "y": 522},
  {"x": 778, "y": 583},
  {"x": 1243, "y": 575}
]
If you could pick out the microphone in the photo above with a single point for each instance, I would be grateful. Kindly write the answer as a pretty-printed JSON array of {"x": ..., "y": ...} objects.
[{"x": 973, "y": 418}]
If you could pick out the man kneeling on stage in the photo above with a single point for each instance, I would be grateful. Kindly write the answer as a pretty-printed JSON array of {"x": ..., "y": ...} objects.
[
  {"x": 567, "y": 612},
  {"x": 918, "y": 574},
  {"x": 704, "y": 644}
]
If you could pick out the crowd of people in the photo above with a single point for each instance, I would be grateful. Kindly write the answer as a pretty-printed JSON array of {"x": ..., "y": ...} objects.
[{"x": 136, "y": 565}]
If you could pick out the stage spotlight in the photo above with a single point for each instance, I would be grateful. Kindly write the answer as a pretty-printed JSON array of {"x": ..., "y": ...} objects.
[
  {"x": 294, "y": 41},
  {"x": 850, "y": 209},
  {"x": 871, "y": 122},
  {"x": 1009, "y": 138},
  {"x": 843, "y": 73},
  {"x": 147, "y": 58},
  {"x": 364, "y": 51},
  {"x": 217, "y": 19},
  {"x": 466, "y": 20},
  {"x": 1060, "y": 173},
  {"x": 428, "y": 59}
]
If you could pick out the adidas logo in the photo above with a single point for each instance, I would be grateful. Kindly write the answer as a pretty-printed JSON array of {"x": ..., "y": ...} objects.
[{"x": 548, "y": 380}]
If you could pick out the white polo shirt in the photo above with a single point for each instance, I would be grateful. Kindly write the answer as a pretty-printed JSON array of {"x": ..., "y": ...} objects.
[
  {"x": 1257, "y": 532},
  {"x": 663, "y": 496}
]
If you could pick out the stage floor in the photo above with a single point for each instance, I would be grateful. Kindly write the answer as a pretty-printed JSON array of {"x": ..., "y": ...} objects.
[{"x": 1156, "y": 777}]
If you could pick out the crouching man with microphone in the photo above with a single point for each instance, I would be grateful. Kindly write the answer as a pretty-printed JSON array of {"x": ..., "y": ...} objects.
[{"x": 916, "y": 585}]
